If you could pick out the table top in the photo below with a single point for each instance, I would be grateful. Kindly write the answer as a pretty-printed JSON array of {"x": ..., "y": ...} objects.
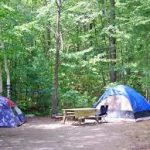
[
  {"x": 78, "y": 109},
  {"x": 82, "y": 112}
]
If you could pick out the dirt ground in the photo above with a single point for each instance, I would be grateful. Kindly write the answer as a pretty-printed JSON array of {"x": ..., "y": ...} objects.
[{"x": 43, "y": 133}]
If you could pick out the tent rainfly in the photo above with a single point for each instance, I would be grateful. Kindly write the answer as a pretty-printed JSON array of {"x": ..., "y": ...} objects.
[
  {"x": 124, "y": 103},
  {"x": 10, "y": 114}
]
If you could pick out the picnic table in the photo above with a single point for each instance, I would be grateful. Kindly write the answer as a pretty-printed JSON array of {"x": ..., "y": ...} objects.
[{"x": 79, "y": 113}]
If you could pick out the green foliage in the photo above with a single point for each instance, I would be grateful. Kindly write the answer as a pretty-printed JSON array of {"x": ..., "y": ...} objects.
[{"x": 73, "y": 98}]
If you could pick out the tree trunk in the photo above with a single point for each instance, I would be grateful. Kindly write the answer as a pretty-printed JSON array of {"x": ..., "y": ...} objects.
[
  {"x": 7, "y": 73},
  {"x": 148, "y": 93},
  {"x": 55, "y": 98},
  {"x": 48, "y": 35},
  {"x": 8, "y": 76},
  {"x": 1, "y": 82},
  {"x": 112, "y": 43},
  {"x": 1, "y": 79}
]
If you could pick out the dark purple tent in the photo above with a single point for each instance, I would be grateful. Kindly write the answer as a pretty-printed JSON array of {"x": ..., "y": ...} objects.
[{"x": 10, "y": 114}]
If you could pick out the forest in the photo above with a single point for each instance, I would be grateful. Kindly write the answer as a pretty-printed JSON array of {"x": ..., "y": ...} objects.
[{"x": 57, "y": 54}]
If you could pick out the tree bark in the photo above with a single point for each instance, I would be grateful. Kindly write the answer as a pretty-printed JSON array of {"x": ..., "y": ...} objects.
[
  {"x": 7, "y": 73},
  {"x": 8, "y": 76},
  {"x": 1, "y": 82},
  {"x": 55, "y": 98},
  {"x": 1, "y": 79},
  {"x": 148, "y": 93},
  {"x": 112, "y": 43}
]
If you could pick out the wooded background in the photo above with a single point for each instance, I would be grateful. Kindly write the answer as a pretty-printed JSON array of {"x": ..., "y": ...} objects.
[{"x": 58, "y": 54}]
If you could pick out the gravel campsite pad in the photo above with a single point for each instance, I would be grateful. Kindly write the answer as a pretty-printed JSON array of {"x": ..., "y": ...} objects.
[{"x": 43, "y": 133}]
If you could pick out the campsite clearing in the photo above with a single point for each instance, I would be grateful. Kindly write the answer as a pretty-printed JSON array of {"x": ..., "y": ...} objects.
[{"x": 43, "y": 133}]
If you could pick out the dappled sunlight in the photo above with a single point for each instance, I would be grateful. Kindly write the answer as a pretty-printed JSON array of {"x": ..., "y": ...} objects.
[
  {"x": 47, "y": 126},
  {"x": 45, "y": 134},
  {"x": 88, "y": 137},
  {"x": 17, "y": 141},
  {"x": 37, "y": 141},
  {"x": 44, "y": 148}
]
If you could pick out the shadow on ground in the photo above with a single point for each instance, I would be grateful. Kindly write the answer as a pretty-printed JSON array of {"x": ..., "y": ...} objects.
[{"x": 44, "y": 133}]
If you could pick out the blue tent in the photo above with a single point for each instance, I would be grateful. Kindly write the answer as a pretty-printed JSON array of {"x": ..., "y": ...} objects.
[
  {"x": 124, "y": 102},
  {"x": 10, "y": 114}
]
